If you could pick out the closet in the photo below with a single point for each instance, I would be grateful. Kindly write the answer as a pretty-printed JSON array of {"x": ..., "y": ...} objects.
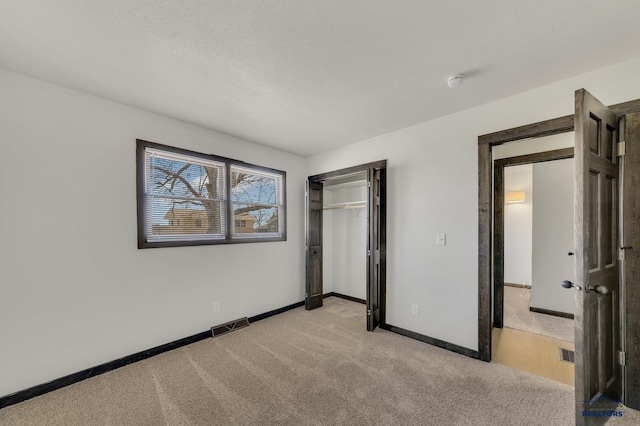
[
  {"x": 344, "y": 267},
  {"x": 346, "y": 238}
]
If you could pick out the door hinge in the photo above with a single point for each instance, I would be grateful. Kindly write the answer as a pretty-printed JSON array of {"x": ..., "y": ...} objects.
[
  {"x": 368, "y": 184},
  {"x": 368, "y": 312},
  {"x": 622, "y": 148},
  {"x": 622, "y": 358},
  {"x": 368, "y": 252}
]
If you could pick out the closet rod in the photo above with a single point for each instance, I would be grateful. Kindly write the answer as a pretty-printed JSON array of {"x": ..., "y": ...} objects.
[{"x": 347, "y": 205}]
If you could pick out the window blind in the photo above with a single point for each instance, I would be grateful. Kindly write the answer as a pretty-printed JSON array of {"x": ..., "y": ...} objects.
[{"x": 185, "y": 197}]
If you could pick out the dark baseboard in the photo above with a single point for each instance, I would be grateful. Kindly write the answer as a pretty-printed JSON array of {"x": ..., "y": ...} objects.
[
  {"x": 344, "y": 296},
  {"x": 432, "y": 341},
  {"x": 56, "y": 384},
  {"x": 275, "y": 312},
  {"x": 518, "y": 285},
  {"x": 41, "y": 389},
  {"x": 550, "y": 312}
]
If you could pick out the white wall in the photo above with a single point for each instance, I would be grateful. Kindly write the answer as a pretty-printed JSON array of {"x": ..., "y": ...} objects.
[
  {"x": 528, "y": 146},
  {"x": 553, "y": 235},
  {"x": 74, "y": 289},
  {"x": 327, "y": 242},
  {"x": 76, "y": 292},
  {"x": 344, "y": 244},
  {"x": 518, "y": 226},
  {"x": 433, "y": 187}
]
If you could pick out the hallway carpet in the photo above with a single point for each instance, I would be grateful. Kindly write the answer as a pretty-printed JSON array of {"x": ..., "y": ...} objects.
[
  {"x": 518, "y": 316},
  {"x": 302, "y": 367}
]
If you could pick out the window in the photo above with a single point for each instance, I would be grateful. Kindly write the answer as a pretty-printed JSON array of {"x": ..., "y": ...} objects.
[
  {"x": 188, "y": 198},
  {"x": 255, "y": 199}
]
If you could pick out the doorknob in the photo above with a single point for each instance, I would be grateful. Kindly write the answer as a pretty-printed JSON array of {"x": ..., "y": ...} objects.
[
  {"x": 600, "y": 289},
  {"x": 570, "y": 253},
  {"x": 569, "y": 284}
]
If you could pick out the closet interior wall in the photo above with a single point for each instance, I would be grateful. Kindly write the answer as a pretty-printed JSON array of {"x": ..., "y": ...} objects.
[{"x": 345, "y": 238}]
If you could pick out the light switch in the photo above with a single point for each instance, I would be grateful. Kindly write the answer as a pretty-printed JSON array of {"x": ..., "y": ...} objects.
[{"x": 441, "y": 239}]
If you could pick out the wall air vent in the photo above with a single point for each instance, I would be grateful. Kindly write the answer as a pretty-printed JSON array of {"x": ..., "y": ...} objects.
[
  {"x": 219, "y": 330},
  {"x": 567, "y": 355}
]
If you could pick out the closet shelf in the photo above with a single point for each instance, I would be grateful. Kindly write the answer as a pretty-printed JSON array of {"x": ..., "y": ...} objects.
[{"x": 347, "y": 205}]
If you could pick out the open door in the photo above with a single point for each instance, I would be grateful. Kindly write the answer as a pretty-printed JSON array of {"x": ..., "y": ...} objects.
[
  {"x": 373, "y": 251},
  {"x": 597, "y": 339},
  {"x": 313, "y": 287}
]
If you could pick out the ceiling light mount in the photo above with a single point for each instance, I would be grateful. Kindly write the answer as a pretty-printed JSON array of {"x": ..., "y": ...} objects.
[{"x": 455, "y": 81}]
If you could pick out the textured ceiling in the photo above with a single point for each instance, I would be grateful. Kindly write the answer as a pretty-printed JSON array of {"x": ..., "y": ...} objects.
[{"x": 307, "y": 76}]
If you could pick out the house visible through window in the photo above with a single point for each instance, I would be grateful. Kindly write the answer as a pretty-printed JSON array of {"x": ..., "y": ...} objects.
[
  {"x": 185, "y": 198},
  {"x": 255, "y": 201}
]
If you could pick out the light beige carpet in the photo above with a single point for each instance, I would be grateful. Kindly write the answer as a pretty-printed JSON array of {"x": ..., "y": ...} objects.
[
  {"x": 518, "y": 316},
  {"x": 302, "y": 367}
]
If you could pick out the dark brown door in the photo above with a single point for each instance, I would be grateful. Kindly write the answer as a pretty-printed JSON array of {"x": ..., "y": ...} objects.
[
  {"x": 373, "y": 251},
  {"x": 631, "y": 253},
  {"x": 313, "y": 287},
  {"x": 597, "y": 342}
]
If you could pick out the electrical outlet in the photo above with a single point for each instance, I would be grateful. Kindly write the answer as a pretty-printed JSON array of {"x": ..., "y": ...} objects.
[
  {"x": 441, "y": 239},
  {"x": 216, "y": 306},
  {"x": 415, "y": 310}
]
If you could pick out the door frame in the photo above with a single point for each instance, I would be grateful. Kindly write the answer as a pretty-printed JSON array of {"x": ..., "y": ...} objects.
[
  {"x": 498, "y": 219},
  {"x": 485, "y": 205},
  {"x": 380, "y": 229},
  {"x": 630, "y": 238}
]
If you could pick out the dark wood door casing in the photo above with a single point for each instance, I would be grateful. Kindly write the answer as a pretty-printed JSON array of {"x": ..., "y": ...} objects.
[
  {"x": 498, "y": 220},
  {"x": 631, "y": 257},
  {"x": 485, "y": 214}
]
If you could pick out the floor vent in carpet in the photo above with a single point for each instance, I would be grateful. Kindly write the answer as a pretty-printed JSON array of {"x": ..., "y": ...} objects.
[
  {"x": 566, "y": 355},
  {"x": 219, "y": 330}
]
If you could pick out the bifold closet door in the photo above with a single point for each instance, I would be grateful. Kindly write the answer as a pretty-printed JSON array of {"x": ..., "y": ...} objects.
[
  {"x": 313, "y": 288},
  {"x": 373, "y": 250}
]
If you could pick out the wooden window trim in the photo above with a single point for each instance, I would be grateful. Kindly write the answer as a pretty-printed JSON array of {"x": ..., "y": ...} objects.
[{"x": 142, "y": 145}]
